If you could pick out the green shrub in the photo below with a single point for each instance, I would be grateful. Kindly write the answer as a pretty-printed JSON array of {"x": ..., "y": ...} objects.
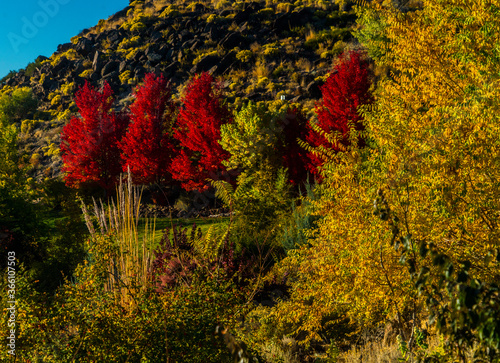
[
  {"x": 212, "y": 18},
  {"x": 303, "y": 219}
]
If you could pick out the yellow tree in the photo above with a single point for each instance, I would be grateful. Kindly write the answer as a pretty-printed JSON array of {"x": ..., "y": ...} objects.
[{"x": 434, "y": 137}]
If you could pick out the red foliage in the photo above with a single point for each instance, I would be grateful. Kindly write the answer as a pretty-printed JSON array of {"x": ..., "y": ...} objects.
[
  {"x": 198, "y": 132},
  {"x": 146, "y": 148},
  {"x": 176, "y": 261},
  {"x": 89, "y": 143},
  {"x": 346, "y": 88},
  {"x": 294, "y": 156}
]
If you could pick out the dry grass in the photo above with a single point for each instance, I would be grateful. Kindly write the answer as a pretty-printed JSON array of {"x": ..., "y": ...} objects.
[
  {"x": 304, "y": 64},
  {"x": 373, "y": 352},
  {"x": 381, "y": 351},
  {"x": 310, "y": 34},
  {"x": 261, "y": 70},
  {"x": 129, "y": 267},
  {"x": 285, "y": 351}
]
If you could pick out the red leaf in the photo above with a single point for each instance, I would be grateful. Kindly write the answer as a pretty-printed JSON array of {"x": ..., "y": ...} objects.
[{"x": 89, "y": 143}]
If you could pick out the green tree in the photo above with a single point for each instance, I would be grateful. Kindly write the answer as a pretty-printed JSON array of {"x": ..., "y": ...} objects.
[{"x": 14, "y": 189}]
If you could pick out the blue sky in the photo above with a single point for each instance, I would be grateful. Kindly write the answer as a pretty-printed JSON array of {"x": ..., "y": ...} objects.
[{"x": 29, "y": 28}]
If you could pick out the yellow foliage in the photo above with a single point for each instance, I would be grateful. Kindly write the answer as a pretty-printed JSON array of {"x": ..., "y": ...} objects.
[
  {"x": 56, "y": 100},
  {"x": 434, "y": 150},
  {"x": 437, "y": 121},
  {"x": 86, "y": 73}
]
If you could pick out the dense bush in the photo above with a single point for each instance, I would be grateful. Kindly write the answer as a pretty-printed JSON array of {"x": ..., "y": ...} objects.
[
  {"x": 87, "y": 321},
  {"x": 262, "y": 135}
]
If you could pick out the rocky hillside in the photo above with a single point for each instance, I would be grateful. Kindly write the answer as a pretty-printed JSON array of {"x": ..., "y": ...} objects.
[{"x": 261, "y": 50}]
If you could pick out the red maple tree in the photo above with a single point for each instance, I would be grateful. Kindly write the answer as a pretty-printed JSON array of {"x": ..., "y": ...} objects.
[
  {"x": 198, "y": 132},
  {"x": 294, "y": 157},
  {"x": 89, "y": 143},
  {"x": 147, "y": 146},
  {"x": 346, "y": 88}
]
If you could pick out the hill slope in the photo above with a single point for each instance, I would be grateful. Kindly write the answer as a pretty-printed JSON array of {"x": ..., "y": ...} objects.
[{"x": 260, "y": 51}]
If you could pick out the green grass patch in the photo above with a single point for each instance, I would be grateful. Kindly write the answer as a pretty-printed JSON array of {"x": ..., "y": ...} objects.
[{"x": 161, "y": 224}]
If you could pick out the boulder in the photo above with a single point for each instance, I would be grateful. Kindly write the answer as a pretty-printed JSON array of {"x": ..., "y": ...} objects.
[
  {"x": 155, "y": 36},
  {"x": 97, "y": 63},
  {"x": 171, "y": 69},
  {"x": 123, "y": 66},
  {"x": 163, "y": 50},
  {"x": 226, "y": 62},
  {"x": 115, "y": 37},
  {"x": 215, "y": 33},
  {"x": 138, "y": 56},
  {"x": 232, "y": 40},
  {"x": 84, "y": 47},
  {"x": 154, "y": 58},
  {"x": 78, "y": 67},
  {"x": 196, "y": 44},
  {"x": 205, "y": 64},
  {"x": 153, "y": 48},
  {"x": 160, "y": 25},
  {"x": 111, "y": 76},
  {"x": 243, "y": 16},
  {"x": 48, "y": 86},
  {"x": 109, "y": 68},
  {"x": 41, "y": 58},
  {"x": 313, "y": 89},
  {"x": 139, "y": 72},
  {"x": 199, "y": 8},
  {"x": 64, "y": 47},
  {"x": 62, "y": 66},
  {"x": 286, "y": 21},
  {"x": 170, "y": 53}
]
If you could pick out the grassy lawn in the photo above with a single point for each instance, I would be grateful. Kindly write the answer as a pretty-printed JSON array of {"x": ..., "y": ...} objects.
[{"x": 161, "y": 224}]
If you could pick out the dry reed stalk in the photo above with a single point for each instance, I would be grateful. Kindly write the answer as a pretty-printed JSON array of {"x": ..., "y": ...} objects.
[{"x": 129, "y": 269}]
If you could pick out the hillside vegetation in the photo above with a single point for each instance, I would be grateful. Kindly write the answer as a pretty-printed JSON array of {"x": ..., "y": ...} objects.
[
  {"x": 260, "y": 50},
  {"x": 355, "y": 220}
]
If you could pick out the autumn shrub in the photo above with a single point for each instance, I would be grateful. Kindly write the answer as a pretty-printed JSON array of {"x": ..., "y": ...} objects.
[
  {"x": 130, "y": 262},
  {"x": 197, "y": 131},
  {"x": 88, "y": 319},
  {"x": 437, "y": 121},
  {"x": 260, "y": 135},
  {"x": 464, "y": 308},
  {"x": 263, "y": 147},
  {"x": 89, "y": 143},
  {"x": 302, "y": 219},
  {"x": 259, "y": 200},
  {"x": 147, "y": 145},
  {"x": 61, "y": 238},
  {"x": 346, "y": 277},
  {"x": 84, "y": 321},
  {"x": 181, "y": 257},
  {"x": 345, "y": 89},
  {"x": 431, "y": 147},
  {"x": 37, "y": 244}
]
